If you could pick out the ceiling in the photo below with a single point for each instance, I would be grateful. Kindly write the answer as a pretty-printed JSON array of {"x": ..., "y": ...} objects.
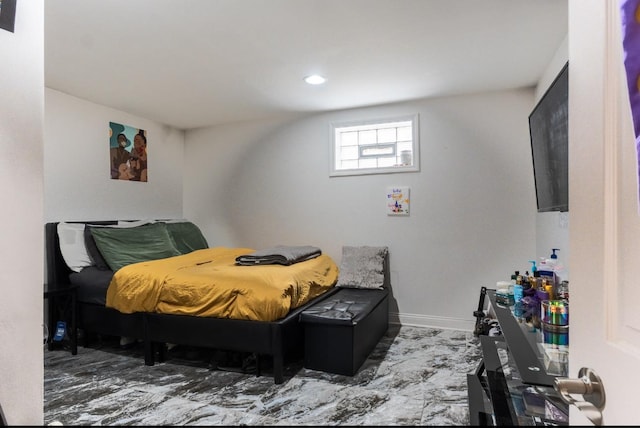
[{"x": 195, "y": 63}]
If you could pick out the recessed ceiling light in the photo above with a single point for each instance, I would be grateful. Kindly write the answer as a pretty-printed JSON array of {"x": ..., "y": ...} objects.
[{"x": 315, "y": 79}]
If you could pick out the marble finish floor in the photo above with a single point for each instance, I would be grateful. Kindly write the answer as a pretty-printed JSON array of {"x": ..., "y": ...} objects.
[{"x": 415, "y": 376}]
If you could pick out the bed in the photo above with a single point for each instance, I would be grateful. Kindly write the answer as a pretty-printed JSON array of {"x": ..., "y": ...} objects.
[{"x": 277, "y": 334}]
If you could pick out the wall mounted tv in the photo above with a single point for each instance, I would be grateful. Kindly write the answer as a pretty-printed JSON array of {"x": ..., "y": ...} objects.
[{"x": 549, "y": 132}]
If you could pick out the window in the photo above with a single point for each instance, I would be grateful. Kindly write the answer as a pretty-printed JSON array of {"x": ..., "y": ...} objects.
[{"x": 375, "y": 147}]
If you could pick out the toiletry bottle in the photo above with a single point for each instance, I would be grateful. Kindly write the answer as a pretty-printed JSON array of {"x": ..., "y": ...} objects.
[
  {"x": 551, "y": 262},
  {"x": 547, "y": 285},
  {"x": 537, "y": 279},
  {"x": 517, "y": 296},
  {"x": 544, "y": 267},
  {"x": 558, "y": 269},
  {"x": 518, "y": 291},
  {"x": 563, "y": 290},
  {"x": 524, "y": 280},
  {"x": 514, "y": 277},
  {"x": 533, "y": 278}
]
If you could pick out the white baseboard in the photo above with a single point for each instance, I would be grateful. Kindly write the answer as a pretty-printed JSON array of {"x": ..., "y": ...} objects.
[{"x": 446, "y": 323}]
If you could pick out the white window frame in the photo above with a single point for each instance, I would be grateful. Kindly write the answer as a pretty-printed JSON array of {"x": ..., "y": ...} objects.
[{"x": 390, "y": 148}]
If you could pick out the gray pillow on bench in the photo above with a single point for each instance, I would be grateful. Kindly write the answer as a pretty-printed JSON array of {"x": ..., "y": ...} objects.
[{"x": 362, "y": 267}]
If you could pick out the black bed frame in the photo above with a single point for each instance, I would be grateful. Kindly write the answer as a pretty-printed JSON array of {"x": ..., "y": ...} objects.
[{"x": 279, "y": 339}]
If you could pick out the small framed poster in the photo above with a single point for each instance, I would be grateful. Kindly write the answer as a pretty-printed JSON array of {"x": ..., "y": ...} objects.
[{"x": 398, "y": 200}]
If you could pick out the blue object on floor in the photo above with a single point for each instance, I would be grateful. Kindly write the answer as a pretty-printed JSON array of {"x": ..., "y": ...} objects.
[{"x": 61, "y": 328}]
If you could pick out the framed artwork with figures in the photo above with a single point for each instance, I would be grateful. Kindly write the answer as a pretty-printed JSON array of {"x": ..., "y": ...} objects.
[{"x": 128, "y": 152}]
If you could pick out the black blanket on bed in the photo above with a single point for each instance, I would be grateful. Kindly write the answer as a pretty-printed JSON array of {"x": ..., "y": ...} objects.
[{"x": 280, "y": 254}]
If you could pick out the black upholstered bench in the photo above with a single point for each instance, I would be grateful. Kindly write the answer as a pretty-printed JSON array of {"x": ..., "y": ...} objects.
[{"x": 342, "y": 330}]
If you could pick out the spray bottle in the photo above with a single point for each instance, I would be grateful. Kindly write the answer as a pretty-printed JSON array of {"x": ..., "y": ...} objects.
[
  {"x": 556, "y": 268},
  {"x": 535, "y": 276},
  {"x": 547, "y": 275}
]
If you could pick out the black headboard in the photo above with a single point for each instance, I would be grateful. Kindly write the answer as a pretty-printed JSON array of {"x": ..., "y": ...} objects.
[{"x": 57, "y": 271}]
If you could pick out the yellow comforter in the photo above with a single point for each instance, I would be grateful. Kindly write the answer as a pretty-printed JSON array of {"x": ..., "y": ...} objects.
[{"x": 208, "y": 283}]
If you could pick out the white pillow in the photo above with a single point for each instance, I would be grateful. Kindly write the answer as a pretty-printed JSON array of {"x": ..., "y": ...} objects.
[
  {"x": 72, "y": 246},
  {"x": 175, "y": 220}
]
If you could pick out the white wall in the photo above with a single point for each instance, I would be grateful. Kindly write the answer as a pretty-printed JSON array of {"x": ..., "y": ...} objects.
[
  {"x": 76, "y": 172},
  {"x": 552, "y": 228},
  {"x": 473, "y": 210},
  {"x": 21, "y": 229}
]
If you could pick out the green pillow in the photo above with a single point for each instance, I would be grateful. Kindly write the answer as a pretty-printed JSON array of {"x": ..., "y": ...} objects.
[
  {"x": 186, "y": 236},
  {"x": 124, "y": 246}
]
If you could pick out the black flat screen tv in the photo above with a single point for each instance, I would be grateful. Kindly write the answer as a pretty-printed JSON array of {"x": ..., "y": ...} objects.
[{"x": 549, "y": 132}]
